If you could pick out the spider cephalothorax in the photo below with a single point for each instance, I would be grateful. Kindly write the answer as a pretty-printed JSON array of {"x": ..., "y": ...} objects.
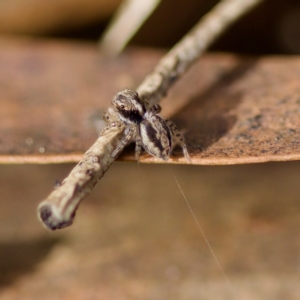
[
  {"x": 129, "y": 106},
  {"x": 149, "y": 130}
]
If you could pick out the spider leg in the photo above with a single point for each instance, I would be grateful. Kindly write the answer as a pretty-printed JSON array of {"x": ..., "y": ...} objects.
[
  {"x": 138, "y": 144},
  {"x": 128, "y": 133},
  {"x": 110, "y": 117},
  {"x": 179, "y": 139},
  {"x": 155, "y": 109}
]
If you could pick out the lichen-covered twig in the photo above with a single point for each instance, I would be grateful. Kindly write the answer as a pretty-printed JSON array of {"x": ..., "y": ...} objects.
[
  {"x": 58, "y": 210},
  {"x": 191, "y": 46}
]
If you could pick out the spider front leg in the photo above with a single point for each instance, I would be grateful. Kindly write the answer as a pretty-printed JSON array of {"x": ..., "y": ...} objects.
[
  {"x": 128, "y": 134},
  {"x": 177, "y": 136},
  {"x": 111, "y": 118}
]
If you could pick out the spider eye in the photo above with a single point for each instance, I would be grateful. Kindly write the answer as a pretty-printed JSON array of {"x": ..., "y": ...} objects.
[{"x": 122, "y": 106}]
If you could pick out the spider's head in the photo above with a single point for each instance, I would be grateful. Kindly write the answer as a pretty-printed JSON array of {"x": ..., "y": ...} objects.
[{"x": 129, "y": 106}]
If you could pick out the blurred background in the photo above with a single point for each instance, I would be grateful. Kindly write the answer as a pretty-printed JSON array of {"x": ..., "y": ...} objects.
[
  {"x": 273, "y": 27},
  {"x": 134, "y": 236}
]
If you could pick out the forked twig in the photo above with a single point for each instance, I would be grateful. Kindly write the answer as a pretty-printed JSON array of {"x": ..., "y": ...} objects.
[{"x": 58, "y": 210}]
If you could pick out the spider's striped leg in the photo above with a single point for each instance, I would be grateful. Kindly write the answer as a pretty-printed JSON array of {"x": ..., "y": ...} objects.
[
  {"x": 128, "y": 134},
  {"x": 179, "y": 139},
  {"x": 138, "y": 143}
]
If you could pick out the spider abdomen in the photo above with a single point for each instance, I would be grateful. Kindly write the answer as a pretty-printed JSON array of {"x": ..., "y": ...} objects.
[{"x": 156, "y": 137}]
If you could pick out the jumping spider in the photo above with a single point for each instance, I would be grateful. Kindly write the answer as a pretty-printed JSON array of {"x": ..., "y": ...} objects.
[{"x": 150, "y": 131}]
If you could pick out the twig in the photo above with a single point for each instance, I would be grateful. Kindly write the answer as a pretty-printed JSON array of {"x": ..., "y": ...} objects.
[
  {"x": 58, "y": 210},
  {"x": 125, "y": 23},
  {"x": 191, "y": 46}
]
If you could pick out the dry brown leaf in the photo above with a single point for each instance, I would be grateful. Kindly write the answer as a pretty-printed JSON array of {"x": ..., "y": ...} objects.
[{"x": 232, "y": 109}]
